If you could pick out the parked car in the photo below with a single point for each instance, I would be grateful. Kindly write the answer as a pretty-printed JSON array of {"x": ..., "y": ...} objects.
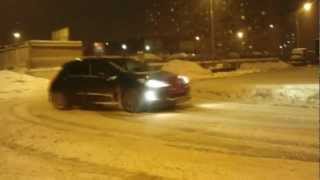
[
  {"x": 302, "y": 56},
  {"x": 132, "y": 85}
]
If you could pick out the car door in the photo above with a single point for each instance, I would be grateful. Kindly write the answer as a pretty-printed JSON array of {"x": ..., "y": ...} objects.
[
  {"x": 102, "y": 81},
  {"x": 77, "y": 81}
]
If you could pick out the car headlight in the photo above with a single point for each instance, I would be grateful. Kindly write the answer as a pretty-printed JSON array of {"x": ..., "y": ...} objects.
[
  {"x": 150, "y": 96},
  {"x": 185, "y": 79},
  {"x": 156, "y": 84}
]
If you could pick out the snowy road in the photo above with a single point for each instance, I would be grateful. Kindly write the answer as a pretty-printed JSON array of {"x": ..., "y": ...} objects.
[{"x": 201, "y": 140}]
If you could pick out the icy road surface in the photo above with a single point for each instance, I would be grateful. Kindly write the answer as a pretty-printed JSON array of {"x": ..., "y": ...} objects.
[{"x": 202, "y": 140}]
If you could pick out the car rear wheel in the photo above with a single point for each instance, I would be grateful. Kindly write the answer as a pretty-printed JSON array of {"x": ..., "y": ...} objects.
[
  {"x": 131, "y": 101},
  {"x": 60, "y": 101}
]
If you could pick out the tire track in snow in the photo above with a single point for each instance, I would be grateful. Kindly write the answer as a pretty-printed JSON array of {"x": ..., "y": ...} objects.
[{"x": 221, "y": 143}]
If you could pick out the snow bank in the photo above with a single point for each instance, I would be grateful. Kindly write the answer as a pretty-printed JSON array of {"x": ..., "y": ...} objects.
[
  {"x": 147, "y": 57},
  {"x": 306, "y": 95},
  {"x": 151, "y": 57},
  {"x": 178, "y": 56},
  {"x": 190, "y": 69},
  {"x": 15, "y": 85},
  {"x": 47, "y": 73},
  {"x": 235, "y": 73},
  {"x": 264, "y": 66},
  {"x": 195, "y": 71}
]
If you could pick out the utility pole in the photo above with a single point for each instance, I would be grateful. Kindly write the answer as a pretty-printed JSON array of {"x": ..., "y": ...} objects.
[{"x": 212, "y": 30}]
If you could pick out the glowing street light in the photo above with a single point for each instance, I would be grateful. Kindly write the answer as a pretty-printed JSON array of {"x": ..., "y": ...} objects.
[
  {"x": 197, "y": 38},
  {"x": 307, "y": 6},
  {"x": 271, "y": 26},
  {"x": 124, "y": 47},
  {"x": 147, "y": 48},
  {"x": 240, "y": 35},
  {"x": 16, "y": 35}
]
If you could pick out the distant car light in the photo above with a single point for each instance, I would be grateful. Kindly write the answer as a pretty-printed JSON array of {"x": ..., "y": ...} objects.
[
  {"x": 156, "y": 84},
  {"x": 185, "y": 79},
  {"x": 150, "y": 96}
]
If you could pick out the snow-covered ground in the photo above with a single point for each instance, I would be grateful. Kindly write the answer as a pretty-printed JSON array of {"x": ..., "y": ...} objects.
[
  {"x": 253, "y": 88},
  {"x": 14, "y": 85},
  {"x": 214, "y": 137}
]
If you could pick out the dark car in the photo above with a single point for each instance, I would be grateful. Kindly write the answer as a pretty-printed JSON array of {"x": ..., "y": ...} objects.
[
  {"x": 132, "y": 85},
  {"x": 303, "y": 56}
]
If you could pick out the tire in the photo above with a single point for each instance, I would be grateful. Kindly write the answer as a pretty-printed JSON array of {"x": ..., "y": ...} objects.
[
  {"x": 60, "y": 101},
  {"x": 131, "y": 101}
]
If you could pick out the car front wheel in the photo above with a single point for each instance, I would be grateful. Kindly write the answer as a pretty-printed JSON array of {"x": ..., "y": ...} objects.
[
  {"x": 131, "y": 101},
  {"x": 60, "y": 101}
]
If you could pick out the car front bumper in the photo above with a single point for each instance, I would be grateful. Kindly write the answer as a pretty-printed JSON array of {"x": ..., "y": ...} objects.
[{"x": 153, "y": 96}]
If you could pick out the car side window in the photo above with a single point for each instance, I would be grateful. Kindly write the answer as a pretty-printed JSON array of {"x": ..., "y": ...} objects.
[
  {"x": 103, "y": 70},
  {"x": 78, "y": 69}
]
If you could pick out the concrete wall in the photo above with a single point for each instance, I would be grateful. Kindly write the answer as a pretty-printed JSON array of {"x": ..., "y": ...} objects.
[
  {"x": 14, "y": 57},
  {"x": 39, "y": 54}
]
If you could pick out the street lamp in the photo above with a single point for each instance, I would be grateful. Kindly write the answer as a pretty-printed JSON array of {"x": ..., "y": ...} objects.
[
  {"x": 16, "y": 35},
  {"x": 271, "y": 26},
  {"x": 307, "y": 6},
  {"x": 147, "y": 48},
  {"x": 212, "y": 30},
  {"x": 124, "y": 47},
  {"x": 240, "y": 35}
]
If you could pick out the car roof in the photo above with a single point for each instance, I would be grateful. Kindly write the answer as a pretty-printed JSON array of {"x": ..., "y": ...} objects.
[
  {"x": 114, "y": 59},
  {"x": 107, "y": 59}
]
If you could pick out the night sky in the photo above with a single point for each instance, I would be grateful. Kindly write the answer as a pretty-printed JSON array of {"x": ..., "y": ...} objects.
[{"x": 89, "y": 20}]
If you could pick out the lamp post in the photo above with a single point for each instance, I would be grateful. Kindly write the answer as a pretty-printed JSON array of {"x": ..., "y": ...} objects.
[
  {"x": 307, "y": 6},
  {"x": 212, "y": 30},
  {"x": 240, "y": 36},
  {"x": 124, "y": 48},
  {"x": 196, "y": 47},
  {"x": 16, "y": 36}
]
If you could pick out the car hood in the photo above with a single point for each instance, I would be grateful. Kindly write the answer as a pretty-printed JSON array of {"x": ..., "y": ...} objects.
[{"x": 157, "y": 75}]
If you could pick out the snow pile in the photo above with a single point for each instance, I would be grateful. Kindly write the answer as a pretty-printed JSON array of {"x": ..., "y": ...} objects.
[
  {"x": 190, "y": 69},
  {"x": 264, "y": 66},
  {"x": 178, "y": 56},
  {"x": 147, "y": 57},
  {"x": 151, "y": 57},
  {"x": 306, "y": 95},
  {"x": 15, "y": 85},
  {"x": 195, "y": 71},
  {"x": 47, "y": 73},
  {"x": 295, "y": 94},
  {"x": 235, "y": 73}
]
